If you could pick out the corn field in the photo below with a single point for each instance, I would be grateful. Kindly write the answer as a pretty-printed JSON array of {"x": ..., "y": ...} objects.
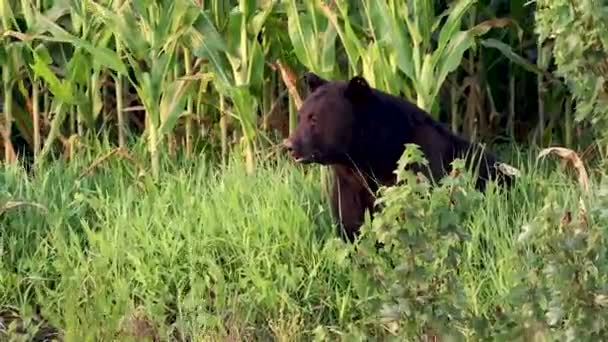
[
  {"x": 223, "y": 75},
  {"x": 162, "y": 244}
]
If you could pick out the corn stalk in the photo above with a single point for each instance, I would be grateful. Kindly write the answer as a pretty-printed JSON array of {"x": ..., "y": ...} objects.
[
  {"x": 241, "y": 54},
  {"x": 150, "y": 32},
  {"x": 408, "y": 48}
]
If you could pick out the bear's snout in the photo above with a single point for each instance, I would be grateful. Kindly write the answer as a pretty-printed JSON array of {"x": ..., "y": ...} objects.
[
  {"x": 296, "y": 149},
  {"x": 288, "y": 144}
]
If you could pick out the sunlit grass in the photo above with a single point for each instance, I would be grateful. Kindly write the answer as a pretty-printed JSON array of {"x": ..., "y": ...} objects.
[{"x": 211, "y": 252}]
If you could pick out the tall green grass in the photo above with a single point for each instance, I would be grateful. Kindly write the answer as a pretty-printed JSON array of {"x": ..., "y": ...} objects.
[{"x": 212, "y": 253}]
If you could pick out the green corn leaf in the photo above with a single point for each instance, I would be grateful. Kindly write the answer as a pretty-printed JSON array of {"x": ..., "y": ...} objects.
[
  {"x": 79, "y": 67},
  {"x": 379, "y": 20},
  {"x": 259, "y": 18},
  {"x": 351, "y": 42},
  {"x": 45, "y": 24},
  {"x": 148, "y": 95},
  {"x": 125, "y": 27},
  {"x": 255, "y": 72},
  {"x": 452, "y": 56},
  {"x": 300, "y": 34},
  {"x": 60, "y": 115},
  {"x": 144, "y": 88},
  {"x": 328, "y": 55},
  {"x": 245, "y": 104},
  {"x": 160, "y": 67},
  {"x": 169, "y": 13},
  {"x": 28, "y": 12},
  {"x": 427, "y": 83},
  {"x": 369, "y": 60},
  {"x": 423, "y": 17},
  {"x": 3, "y": 56},
  {"x": 7, "y": 15},
  {"x": 207, "y": 43},
  {"x": 62, "y": 90},
  {"x": 172, "y": 104},
  {"x": 96, "y": 95},
  {"x": 102, "y": 55},
  {"x": 43, "y": 53},
  {"x": 508, "y": 52},
  {"x": 453, "y": 23},
  {"x": 401, "y": 42}
]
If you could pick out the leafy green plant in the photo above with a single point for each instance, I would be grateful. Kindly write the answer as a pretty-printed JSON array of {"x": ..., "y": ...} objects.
[
  {"x": 423, "y": 234},
  {"x": 151, "y": 32},
  {"x": 578, "y": 32},
  {"x": 416, "y": 279},
  {"x": 237, "y": 60},
  {"x": 409, "y": 48},
  {"x": 564, "y": 296}
]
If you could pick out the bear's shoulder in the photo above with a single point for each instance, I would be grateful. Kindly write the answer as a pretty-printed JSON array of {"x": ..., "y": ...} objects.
[{"x": 400, "y": 114}]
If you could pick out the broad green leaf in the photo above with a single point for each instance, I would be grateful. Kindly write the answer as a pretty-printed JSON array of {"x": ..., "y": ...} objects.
[
  {"x": 143, "y": 87},
  {"x": 423, "y": 17},
  {"x": 453, "y": 23},
  {"x": 3, "y": 56},
  {"x": 208, "y": 45},
  {"x": 318, "y": 23},
  {"x": 412, "y": 28},
  {"x": 349, "y": 39},
  {"x": 160, "y": 67},
  {"x": 77, "y": 16},
  {"x": 43, "y": 54},
  {"x": 328, "y": 55},
  {"x": 255, "y": 73},
  {"x": 213, "y": 39},
  {"x": 162, "y": 29},
  {"x": 172, "y": 104},
  {"x": 79, "y": 67},
  {"x": 45, "y": 24},
  {"x": 401, "y": 42},
  {"x": 508, "y": 52},
  {"x": 428, "y": 82},
  {"x": 28, "y": 12},
  {"x": 56, "y": 123},
  {"x": 96, "y": 95},
  {"x": 62, "y": 90},
  {"x": 7, "y": 15},
  {"x": 234, "y": 35},
  {"x": 452, "y": 57},
  {"x": 300, "y": 34},
  {"x": 259, "y": 19},
  {"x": 379, "y": 21},
  {"x": 58, "y": 10},
  {"x": 183, "y": 24},
  {"x": 148, "y": 94},
  {"x": 368, "y": 64},
  {"x": 245, "y": 105},
  {"x": 144, "y": 9},
  {"x": 104, "y": 57},
  {"x": 439, "y": 19},
  {"x": 417, "y": 54},
  {"x": 125, "y": 27}
]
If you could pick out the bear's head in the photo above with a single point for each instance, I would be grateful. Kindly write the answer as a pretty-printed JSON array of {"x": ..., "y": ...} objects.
[{"x": 328, "y": 119}]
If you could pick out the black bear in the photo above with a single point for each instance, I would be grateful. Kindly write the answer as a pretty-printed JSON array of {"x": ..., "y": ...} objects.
[{"x": 361, "y": 133}]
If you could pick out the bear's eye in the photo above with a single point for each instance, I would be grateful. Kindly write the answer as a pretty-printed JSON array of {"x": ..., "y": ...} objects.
[{"x": 312, "y": 118}]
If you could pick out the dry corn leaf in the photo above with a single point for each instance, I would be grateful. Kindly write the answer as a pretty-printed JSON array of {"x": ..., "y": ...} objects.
[{"x": 570, "y": 156}]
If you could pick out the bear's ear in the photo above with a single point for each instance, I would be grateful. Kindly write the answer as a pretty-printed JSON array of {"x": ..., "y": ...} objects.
[
  {"x": 313, "y": 81},
  {"x": 357, "y": 89}
]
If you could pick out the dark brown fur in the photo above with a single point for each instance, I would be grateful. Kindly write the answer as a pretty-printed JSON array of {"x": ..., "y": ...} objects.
[{"x": 361, "y": 132}]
